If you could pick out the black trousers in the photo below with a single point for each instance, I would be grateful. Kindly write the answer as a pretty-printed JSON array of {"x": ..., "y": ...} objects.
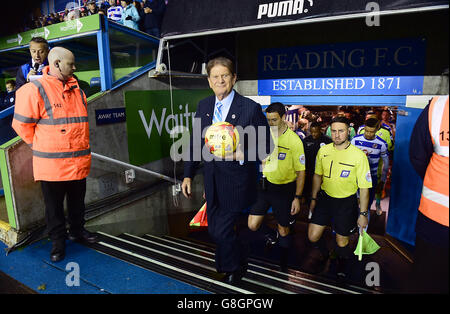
[
  {"x": 54, "y": 193},
  {"x": 229, "y": 247}
]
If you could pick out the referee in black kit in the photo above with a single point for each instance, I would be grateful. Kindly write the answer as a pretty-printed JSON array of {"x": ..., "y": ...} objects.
[{"x": 341, "y": 169}]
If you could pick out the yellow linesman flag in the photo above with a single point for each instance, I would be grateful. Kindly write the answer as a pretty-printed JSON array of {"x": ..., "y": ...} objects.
[
  {"x": 366, "y": 245},
  {"x": 199, "y": 219}
]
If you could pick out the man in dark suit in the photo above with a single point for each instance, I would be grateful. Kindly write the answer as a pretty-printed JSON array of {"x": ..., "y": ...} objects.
[{"x": 230, "y": 184}]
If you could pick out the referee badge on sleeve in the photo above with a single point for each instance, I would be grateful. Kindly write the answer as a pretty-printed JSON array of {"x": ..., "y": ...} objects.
[
  {"x": 302, "y": 159},
  {"x": 368, "y": 177}
]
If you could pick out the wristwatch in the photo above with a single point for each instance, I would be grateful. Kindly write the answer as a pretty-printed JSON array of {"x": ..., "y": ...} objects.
[
  {"x": 298, "y": 196},
  {"x": 365, "y": 214}
]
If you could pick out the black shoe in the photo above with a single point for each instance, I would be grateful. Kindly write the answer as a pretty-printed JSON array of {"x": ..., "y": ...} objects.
[
  {"x": 58, "y": 251},
  {"x": 342, "y": 268},
  {"x": 232, "y": 278},
  {"x": 83, "y": 236},
  {"x": 271, "y": 239},
  {"x": 235, "y": 277}
]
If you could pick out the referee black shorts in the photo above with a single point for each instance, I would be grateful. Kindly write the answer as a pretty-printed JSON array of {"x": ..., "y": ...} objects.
[
  {"x": 339, "y": 213},
  {"x": 279, "y": 197}
]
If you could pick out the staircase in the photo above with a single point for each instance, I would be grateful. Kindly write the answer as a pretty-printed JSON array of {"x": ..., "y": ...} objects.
[{"x": 193, "y": 263}]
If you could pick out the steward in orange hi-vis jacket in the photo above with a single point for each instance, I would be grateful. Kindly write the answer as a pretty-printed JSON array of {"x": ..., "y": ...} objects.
[
  {"x": 434, "y": 201},
  {"x": 51, "y": 116},
  {"x": 428, "y": 150}
]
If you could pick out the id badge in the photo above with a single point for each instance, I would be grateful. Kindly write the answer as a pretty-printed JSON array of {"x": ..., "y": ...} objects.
[{"x": 281, "y": 156}]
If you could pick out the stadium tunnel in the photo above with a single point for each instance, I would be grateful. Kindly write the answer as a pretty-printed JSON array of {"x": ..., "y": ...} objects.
[
  {"x": 135, "y": 212},
  {"x": 330, "y": 56}
]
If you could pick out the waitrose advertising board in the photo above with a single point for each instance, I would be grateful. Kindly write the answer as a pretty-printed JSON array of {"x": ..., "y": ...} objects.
[{"x": 151, "y": 121}]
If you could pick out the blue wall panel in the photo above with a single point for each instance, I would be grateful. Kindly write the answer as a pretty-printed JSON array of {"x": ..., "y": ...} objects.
[{"x": 406, "y": 185}]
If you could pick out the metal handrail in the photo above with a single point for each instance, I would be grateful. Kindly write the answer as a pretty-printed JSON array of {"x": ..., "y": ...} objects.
[
  {"x": 158, "y": 175},
  {"x": 6, "y": 112}
]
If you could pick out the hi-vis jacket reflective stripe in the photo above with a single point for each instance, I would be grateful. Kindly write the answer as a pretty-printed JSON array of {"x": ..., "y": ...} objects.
[
  {"x": 435, "y": 192},
  {"x": 51, "y": 116}
]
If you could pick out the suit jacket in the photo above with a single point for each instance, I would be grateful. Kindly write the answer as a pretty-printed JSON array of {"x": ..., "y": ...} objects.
[
  {"x": 22, "y": 72},
  {"x": 230, "y": 184}
]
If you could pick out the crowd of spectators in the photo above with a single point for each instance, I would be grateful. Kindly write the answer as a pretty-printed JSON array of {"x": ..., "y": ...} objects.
[
  {"x": 299, "y": 117},
  {"x": 143, "y": 15}
]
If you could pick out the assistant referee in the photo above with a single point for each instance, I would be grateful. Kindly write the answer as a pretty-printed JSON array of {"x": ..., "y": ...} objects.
[
  {"x": 284, "y": 178},
  {"x": 341, "y": 169}
]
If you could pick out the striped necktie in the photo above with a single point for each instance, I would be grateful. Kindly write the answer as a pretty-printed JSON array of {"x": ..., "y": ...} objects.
[{"x": 218, "y": 113}]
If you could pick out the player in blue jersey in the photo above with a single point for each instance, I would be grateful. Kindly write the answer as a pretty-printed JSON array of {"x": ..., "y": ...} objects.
[{"x": 375, "y": 148}]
